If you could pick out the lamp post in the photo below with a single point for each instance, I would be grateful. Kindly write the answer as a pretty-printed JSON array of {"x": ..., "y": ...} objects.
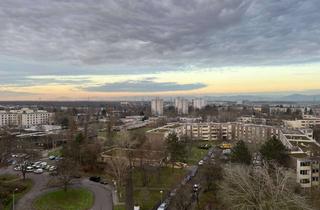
[
  {"x": 13, "y": 197},
  {"x": 161, "y": 193}
]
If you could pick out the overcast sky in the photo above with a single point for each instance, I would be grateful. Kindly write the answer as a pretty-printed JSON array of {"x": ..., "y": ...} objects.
[{"x": 75, "y": 49}]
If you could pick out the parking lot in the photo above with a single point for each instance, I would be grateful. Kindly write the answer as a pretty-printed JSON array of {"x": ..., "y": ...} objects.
[{"x": 45, "y": 165}]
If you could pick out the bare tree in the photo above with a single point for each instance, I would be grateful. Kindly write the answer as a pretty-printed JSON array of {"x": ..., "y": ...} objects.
[
  {"x": 254, "y": 189},
  {"x": 66, "y": 169},
  {"x": 182, "y": 199},
  {"x": 117, "y": 168}
]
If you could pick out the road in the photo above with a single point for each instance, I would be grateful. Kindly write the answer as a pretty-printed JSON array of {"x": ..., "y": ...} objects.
[{"x": 102, "y": 193}]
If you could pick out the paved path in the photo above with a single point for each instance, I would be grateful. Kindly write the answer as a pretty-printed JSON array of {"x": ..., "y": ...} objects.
[{"x": 102, "y": 193}]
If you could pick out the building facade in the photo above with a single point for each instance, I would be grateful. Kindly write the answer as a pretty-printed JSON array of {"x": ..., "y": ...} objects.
[
  {"x": 199, "y": 103},
  {"x": 308, "y": 172},
  {"x": 304, "y": 123},
  {"x": 181, "y": 105},
  {"x": 157, "y": 107},
  {"x": 224, "y": 131},
  {"x": 24, "y": 118}
]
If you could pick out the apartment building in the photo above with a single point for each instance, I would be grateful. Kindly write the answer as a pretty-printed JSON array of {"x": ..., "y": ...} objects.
[
  {"x": 157, "y": 107},
  {"x": 181, "y": 105},
  {"x": 222, "y": 131},
  {"x": 252, "y": 119},
  {"x": 308, "y": 171},
  {"x": 304, "y": 123},
  {"x": 254, "y": 133},
  {"x": 199, "y": 103},
  {"x": 24, "y": 118}
]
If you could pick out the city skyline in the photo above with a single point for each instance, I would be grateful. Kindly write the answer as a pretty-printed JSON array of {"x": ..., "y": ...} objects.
[{"x": 54, "y": 50}]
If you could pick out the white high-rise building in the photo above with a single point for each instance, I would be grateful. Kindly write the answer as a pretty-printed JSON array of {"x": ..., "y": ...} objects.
[
  {"x": 199, "y": 103},
  {"x": 157, "y": 107},
  {"x": 182, "y": 105}
]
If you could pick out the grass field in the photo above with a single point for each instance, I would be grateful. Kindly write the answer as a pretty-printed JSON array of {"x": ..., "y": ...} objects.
[
  {"x": 165, "y": 179},
  {"x": 73, "y": 199},
  {"x": 119, "y": 207}
]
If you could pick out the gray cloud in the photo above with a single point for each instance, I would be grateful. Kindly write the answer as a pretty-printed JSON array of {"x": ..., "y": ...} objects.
[
  {"x": 147, "y": 85},
  {"x": 122, "y": 36}
]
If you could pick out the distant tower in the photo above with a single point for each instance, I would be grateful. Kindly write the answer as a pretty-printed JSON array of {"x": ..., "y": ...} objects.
[
  {"x": 157, "y": 107},
  {"x": 181, "y": 105},
  {"x": 199, "y": 103}
]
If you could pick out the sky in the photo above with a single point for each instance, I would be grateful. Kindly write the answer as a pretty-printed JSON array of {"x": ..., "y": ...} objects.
[{"x": 112, "y": 49}]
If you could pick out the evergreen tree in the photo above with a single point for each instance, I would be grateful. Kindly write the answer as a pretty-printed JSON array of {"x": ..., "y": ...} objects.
[
  {"x": 240, "y": 153},
  {"x": 176, "y": 149},
  {"x": 274, "y": 150}
]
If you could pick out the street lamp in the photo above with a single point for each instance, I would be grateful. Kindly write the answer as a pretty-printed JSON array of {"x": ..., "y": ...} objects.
[
  {"x": 13, "y": 197},
  {"x": 161, "y": 193}
]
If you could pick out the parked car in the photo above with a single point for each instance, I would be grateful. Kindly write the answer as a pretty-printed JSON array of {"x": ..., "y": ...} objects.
[
  {"x": 29, "y": 169},
  {"x": 163, "y": 206},
  {"x": 95, "y": 178},
  {"x": 52, "y": 157},
  {"x": 38, "y": 171},
  {"x": 52, "y": 168},
  {"x": 43, "y": 164},
  {"x": 200, "y": 162}
]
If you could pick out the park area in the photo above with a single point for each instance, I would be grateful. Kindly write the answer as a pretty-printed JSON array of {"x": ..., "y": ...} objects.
[
  {"x": 72, "y": 199},
  {"x": 149, "y": 183},
  {"x": 12, "y": 186}
]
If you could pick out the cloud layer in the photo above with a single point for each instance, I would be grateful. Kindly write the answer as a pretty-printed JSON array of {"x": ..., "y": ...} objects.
[
  {"x": 147, "y": 85},
  {"x": 146, "y": 37},
  {"x": 166, "y": 33}
]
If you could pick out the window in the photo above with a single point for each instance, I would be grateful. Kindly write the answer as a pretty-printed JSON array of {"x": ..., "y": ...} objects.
[
  {"x": 305, "y": 164},
  {"x": 304, "y": 172},
  {"x": 315, "y": 170},
  {"x": 315, "y": 179},
  {"x": 304, "y": 181}
]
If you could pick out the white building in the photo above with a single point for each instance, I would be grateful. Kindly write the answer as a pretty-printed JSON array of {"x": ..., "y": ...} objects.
[
  {"x": 24, "y": 118},
  {"x": 199, "y": 103},
  {"x": 308, "y": 172},
  {"x": 304, "y": 123},
  {"x": 157, "y": 107},
  {"x": 181, "y": 105}
]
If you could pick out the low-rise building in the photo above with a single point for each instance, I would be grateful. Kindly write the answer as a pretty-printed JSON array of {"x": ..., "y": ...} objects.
[
  {"x": 25, "y": 118},
  {"x": 304, "y": 123}
]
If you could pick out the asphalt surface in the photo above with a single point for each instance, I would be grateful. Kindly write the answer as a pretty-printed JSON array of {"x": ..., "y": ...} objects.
[{"x": 102, "y": 193}]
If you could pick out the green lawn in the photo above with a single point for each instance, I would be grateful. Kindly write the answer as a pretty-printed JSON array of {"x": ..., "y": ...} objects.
[
  {"x": 147, "y": 198},
  {"x": 55, "y": 152},
  {"x": 196, "y": 155},
  {"x": 119, "y": 207},
  {"x": 73, "y": 199},
  {"x": 164, "y": 178},
  {"x": 7, "y": 185}
]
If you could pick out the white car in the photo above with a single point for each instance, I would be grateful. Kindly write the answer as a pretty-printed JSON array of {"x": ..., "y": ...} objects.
[
  {"x": 29, "y": 169},
  {"x": 38, "y": 171},
  {"x": 52, "y": 168},
  {"x": 163, "y": 206},
  {"x": 52, "y": 157},
  {"x": 200, "y": 163}
]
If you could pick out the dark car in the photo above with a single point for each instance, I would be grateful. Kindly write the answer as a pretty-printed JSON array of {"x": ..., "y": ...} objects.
[{"x": 95, "y": 178}]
